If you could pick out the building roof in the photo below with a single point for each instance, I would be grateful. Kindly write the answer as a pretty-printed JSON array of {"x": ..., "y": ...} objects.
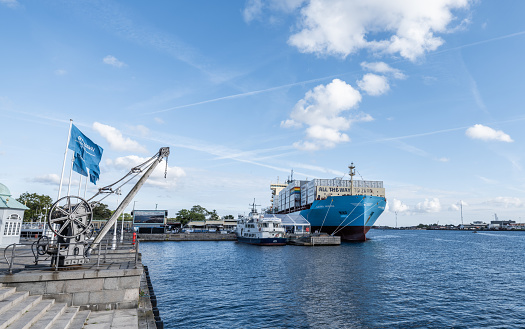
[
  {"x": 8, "y": 202},
  {"x": 290, "y": 219},
  {"x": 4, "y": 191}
]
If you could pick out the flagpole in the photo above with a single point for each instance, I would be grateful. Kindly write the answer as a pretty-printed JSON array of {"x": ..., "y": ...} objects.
[
  {"x": 85, "y": 186},
  {"x": 70, "y": 174},
  {"x": 79, "y": 184},
  {"x": 65, "y": 158}
]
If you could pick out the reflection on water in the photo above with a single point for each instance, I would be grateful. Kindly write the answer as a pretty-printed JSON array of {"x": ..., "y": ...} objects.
[{"x": 401, "y": 279}]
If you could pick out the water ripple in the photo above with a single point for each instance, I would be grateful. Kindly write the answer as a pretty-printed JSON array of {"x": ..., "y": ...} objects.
[{"x": 410, "y": 279}]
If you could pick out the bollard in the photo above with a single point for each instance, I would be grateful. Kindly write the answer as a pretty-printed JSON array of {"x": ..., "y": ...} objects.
[{"x": 134, "y": 237}]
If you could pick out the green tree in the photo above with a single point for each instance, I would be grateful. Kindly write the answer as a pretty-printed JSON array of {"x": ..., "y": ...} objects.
[
  {"x": 183, "y": 216},
  {"x": 101, "y": 212},
  {"x": 37, "y": 204},
  {"x": 127, "y": 216},
  {"x": 228, "y": 217},
  {"x": 196, "y": 213},
  {"x": 213, "y": 215}
]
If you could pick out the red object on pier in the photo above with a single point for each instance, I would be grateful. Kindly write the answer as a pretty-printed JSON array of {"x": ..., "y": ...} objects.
[{"x": 134, "y": 237}]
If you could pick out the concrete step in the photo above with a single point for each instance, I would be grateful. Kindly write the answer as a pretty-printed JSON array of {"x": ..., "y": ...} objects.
[
  {"x": 100, "y": 320},
  {"x": 11, "y": 300},
  {"x": 47, "y": 320},
  {"x": 80, "y": 319},
  {"x": 33, "y": 314},
  {"x": 6, "y": 292},
  {"x": 17, "y": 310},
  {"x": 65, "y": 320}
]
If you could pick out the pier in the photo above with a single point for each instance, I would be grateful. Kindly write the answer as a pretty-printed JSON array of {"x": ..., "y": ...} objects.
[
  {"x": 315, "y": 240},
  {"x": 111, "y": 291}
]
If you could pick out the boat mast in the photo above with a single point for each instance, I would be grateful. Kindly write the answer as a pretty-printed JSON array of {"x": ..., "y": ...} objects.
[{"x": 352, "y": 173}]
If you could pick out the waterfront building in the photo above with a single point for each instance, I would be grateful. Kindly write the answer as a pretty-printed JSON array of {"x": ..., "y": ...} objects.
[
  {"x": 223, "y": 225},
  {"x": 501, "y": 224},
  {"x": 11, "y": 217}
]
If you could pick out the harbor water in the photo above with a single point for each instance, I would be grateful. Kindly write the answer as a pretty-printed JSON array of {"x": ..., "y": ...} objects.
[{"x": 397, "y": 279}]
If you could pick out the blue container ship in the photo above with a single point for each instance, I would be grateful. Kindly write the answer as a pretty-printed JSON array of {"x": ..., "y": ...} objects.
[{"x": 347, "y": 208}]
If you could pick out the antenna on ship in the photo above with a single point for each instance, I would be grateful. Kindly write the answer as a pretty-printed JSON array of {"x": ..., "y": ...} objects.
[
  {"x": 352, "y": 174},
  {"x": 254, "y": 206}
]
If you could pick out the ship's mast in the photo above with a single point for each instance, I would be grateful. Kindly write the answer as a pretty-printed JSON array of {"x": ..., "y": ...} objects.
[{"x": 352, "y": 173}]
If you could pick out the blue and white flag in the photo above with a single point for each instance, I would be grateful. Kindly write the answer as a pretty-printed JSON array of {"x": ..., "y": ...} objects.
[
  {"x": 89, "y": 152},
  {"x": 93, "y": 177},
  {"x": 79, "y": 165}
]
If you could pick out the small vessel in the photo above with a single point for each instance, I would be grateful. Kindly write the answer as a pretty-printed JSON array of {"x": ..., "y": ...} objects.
[
  {"x": 258, "y": 230},
  {"x": 347, "y": 208}
]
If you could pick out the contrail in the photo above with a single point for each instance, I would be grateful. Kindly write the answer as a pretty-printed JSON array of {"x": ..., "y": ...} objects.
[
  {"x": 440, "y": 131},
  {"x": 482, "y": 42},
  {"x": 255, "y": 92}
]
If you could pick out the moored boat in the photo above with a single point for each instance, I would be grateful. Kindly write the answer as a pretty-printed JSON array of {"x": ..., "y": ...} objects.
[{"x": 258, "y": 230}]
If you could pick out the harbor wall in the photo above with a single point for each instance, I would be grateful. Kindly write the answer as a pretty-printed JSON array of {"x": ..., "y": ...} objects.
[
  {"x": 93, "y": 289},
  {"x": 187, "y": 237}
]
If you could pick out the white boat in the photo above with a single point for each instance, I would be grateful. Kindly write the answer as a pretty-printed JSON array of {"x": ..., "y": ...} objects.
[{"x": 258, "y": 230}]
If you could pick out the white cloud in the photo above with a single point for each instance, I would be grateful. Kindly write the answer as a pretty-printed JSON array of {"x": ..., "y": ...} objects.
[
  {"x": 373, "y": 84},
  {"x": 47, "y": 179},
  {"x": 140, "y": 129},
  {"x": 321, "y": 110},
  {"x": 457, "y": 206},
  {"x": 9, "y": 3},
  {"x": 397, "y": 206},
  {"x": 487, "y": 134},
  {"x": 443, "y": 159},
  {"x": 488, "y": 180},
  {"x": 383, "y": 68},
  {"x": 60, "y": 72},
  {"x": 507, "y": 202},
  {"x": 252, "y": 10},
  {"x": 157, "y": 177},
  {"x": 404, "y": 27},
  {"x": 115, "y": 139},
  {"x": 158, "y": 120},
  {"x": 111, "y": 60},
  {"x": 428, "y": 206}
]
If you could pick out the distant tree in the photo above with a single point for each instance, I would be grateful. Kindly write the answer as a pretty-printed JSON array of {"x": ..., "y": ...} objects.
[
  {"x": 127, "y": 216},
  {"x": 228, "y": 217},
  {"x": 199, "y": 212},
  {"x": 196, "y": 213},
  {"x": 101, "y": 212},
  {"x": 183, "y": 216},
  {"x": 37, "y": 204},
  {"x": 213, "y": 215}
]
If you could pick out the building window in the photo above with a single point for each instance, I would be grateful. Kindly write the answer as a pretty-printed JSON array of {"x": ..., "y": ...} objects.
[
  {"x": 6, "y": 227},
  {"x": 10, "y": 228}
]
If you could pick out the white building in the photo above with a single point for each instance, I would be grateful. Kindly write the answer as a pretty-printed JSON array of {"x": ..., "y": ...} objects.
[{"x": 11, "y": 217}]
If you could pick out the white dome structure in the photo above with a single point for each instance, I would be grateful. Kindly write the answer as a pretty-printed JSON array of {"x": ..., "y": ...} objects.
[{"x": 11, "y": 217}]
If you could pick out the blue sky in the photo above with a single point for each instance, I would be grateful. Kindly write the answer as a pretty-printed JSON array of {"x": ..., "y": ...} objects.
[{"x": 426, "y": 96}]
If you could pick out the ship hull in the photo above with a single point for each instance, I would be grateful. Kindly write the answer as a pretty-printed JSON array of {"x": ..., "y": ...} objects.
[
  {"x": 263, "y": 241},
  {"x": 348, "y": 216}
]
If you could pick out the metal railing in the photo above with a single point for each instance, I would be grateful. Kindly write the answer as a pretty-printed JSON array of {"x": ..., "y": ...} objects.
[{"x": 49, "y": 256}]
